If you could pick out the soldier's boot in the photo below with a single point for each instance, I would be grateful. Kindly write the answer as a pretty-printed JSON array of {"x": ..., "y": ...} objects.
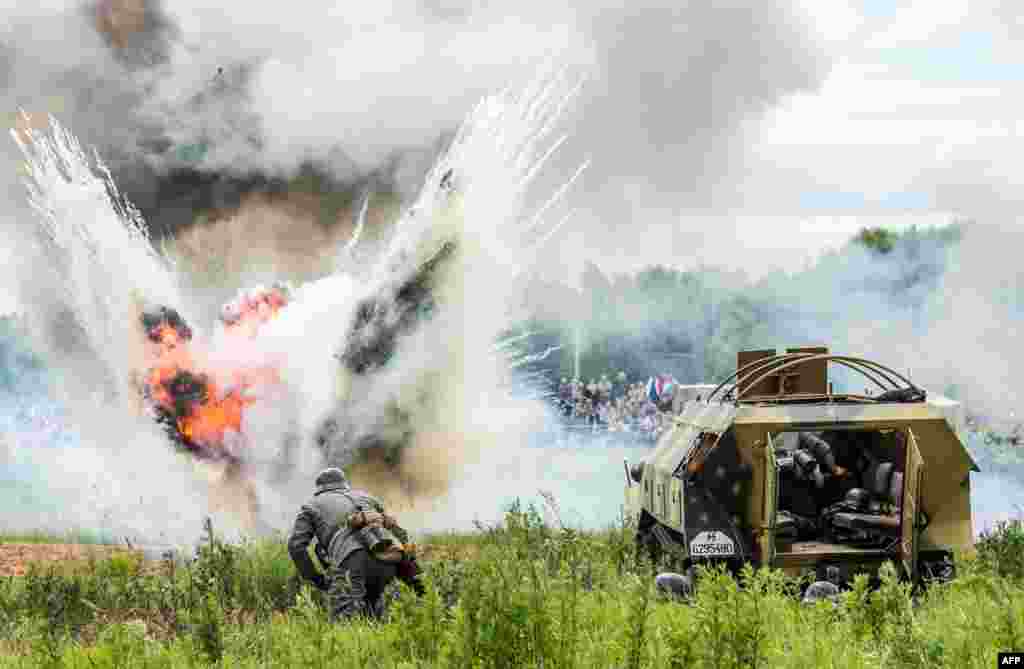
[
  {"x": 346, "y": 594},
  {"x": 378, "y": 609}
]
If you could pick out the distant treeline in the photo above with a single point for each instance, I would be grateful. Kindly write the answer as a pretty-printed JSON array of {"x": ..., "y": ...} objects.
[{"x": 691, "y": 322}]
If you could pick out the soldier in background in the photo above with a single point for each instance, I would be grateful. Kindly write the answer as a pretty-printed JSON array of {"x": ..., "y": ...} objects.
[
  {"x": 362, "y": 548},
  {"x": 827, "y": 589},
  {"x": 622, "y": 383},
  {"x": 676, "y": 586},
  {"x": 565, "y": 391}
]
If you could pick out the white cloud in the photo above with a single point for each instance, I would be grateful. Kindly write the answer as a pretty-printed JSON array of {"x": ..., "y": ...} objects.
[
  {"x": 875, "y": 130},
  {"x": 699, "y": 111},
  {"x": 837, "y": 21},
  {"x": 923, "y": 21}
]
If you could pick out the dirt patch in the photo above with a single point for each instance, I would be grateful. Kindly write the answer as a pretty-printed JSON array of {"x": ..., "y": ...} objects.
[
  {"x": 16, "y": 558},
  {"x": 431, "y": 553}
]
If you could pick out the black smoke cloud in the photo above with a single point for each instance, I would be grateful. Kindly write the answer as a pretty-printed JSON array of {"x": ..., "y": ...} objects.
[{"x": 193, "y": 106}]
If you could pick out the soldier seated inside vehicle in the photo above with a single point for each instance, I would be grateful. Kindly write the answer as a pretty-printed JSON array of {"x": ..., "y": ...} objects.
[
  {"x": 870, "y": 513},
  {"x": 840, "y": 487},
  {"x": 811, "y": 478}
]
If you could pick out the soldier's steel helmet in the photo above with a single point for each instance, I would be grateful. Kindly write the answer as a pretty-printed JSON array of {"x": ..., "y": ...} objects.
[
  {"x": 673, "y": 584},
  {"x": 331, "y": 478},
  {"x": 804, "y": 460},
  {"x": 820, "y": 590}
]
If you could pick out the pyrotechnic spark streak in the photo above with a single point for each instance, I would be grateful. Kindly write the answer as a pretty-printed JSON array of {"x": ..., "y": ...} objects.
[
  {"x": 508, "y": 341},
  {"x": 535, "y": 357},
  {"x": 476, "y": 217},
  {"x": 360, "y": 221}
]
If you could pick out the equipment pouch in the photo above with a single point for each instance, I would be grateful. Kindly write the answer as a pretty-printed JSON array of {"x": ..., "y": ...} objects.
[
  {"x": 381, "y": 543},
  {"x": 378, "y": 540}
]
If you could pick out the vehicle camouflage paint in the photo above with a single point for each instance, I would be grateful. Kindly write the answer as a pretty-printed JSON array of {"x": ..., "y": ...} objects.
[{"x": 770, "y": 467}]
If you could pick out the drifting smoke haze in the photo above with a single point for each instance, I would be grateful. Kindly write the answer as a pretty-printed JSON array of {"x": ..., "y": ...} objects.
[
  {"x": 248, "y": 135},
  {"x": 946, "y": 314},
  {"x": 942, "y": 307},
  {"x": 374, "y": 91}
]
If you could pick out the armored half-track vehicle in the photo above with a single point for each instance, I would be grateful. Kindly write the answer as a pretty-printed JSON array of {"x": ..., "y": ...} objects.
[{"x": 773, "y": 468}]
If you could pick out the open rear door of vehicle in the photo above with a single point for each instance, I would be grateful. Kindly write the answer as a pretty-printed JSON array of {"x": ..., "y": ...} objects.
[
  {"x": 771, "y": 504},
  {"x": 909, "y": 529}
]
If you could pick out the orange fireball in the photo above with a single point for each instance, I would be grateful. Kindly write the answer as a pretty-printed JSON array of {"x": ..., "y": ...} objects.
[
  {"x": 208, "y": 422},
  {"x": 245, "y": 315},
  {"x": 198, "y": 413}
]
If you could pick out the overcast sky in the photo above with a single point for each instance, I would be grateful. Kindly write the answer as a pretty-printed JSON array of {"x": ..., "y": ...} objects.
[{"x": 917, "y": 122}]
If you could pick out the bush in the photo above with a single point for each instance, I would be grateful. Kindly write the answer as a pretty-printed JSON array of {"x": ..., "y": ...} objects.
[
  {"x": 879, "y": 240},
  {"x": 533, "y": 593},
  {"x": 1001, "y": 549}
]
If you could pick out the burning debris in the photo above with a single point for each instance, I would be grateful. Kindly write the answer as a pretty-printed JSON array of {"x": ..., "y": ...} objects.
[
  {"x": 248, "y": 312},
  {"x": 204, "y": 415},
  {"x": 199, "y": 413},
  {"x": 202, "y": 411},
  {"x": 185, "y": 401}
]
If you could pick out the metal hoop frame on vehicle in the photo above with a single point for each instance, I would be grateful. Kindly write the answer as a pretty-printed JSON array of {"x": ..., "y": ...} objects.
[{"x": 762, "y": 368}]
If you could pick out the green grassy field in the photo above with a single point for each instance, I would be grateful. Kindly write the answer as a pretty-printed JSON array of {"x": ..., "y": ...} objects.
[
  {"x": 40, "y": 537},
  {"x": 522, "y": 594}
]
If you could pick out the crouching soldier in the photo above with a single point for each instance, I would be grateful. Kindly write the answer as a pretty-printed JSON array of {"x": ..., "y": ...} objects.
[{"x": 362, "y": 548}]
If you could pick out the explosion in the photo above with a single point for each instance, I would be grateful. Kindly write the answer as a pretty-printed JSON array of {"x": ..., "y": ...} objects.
[
  {"x": 246, "y": 314},
  {"x": 390, "y": 365},
  {"x": 198, "y": 412}
]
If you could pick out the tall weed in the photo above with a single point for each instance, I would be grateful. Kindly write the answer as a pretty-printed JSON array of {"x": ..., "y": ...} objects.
[
  {"x": 1001, "y": 549},
  {"x": 535, "y": 593}
]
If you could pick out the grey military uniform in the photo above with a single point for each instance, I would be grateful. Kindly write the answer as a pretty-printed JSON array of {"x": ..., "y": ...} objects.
[
  {"x": 675, "y": 585},
  {"x": 824, "y": 590},
  {"x": 820, "y": 590},
  {"x": 355, "y": 579}
]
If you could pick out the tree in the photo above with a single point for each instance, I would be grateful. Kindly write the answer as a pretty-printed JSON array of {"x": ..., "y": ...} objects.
[{"x": 879, "y": 240}]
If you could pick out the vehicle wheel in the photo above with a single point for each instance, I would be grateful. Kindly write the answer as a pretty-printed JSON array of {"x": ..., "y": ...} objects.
[{"x": 937, "y": 569}]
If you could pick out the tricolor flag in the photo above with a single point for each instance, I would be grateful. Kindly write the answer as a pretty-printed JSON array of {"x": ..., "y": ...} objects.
[{"x": 657, "y": 385}]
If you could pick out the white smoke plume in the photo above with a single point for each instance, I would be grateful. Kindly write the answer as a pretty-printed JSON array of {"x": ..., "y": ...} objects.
[
  {"x": 448, "y": 379},
  {"x": 447, "y": 376}
]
